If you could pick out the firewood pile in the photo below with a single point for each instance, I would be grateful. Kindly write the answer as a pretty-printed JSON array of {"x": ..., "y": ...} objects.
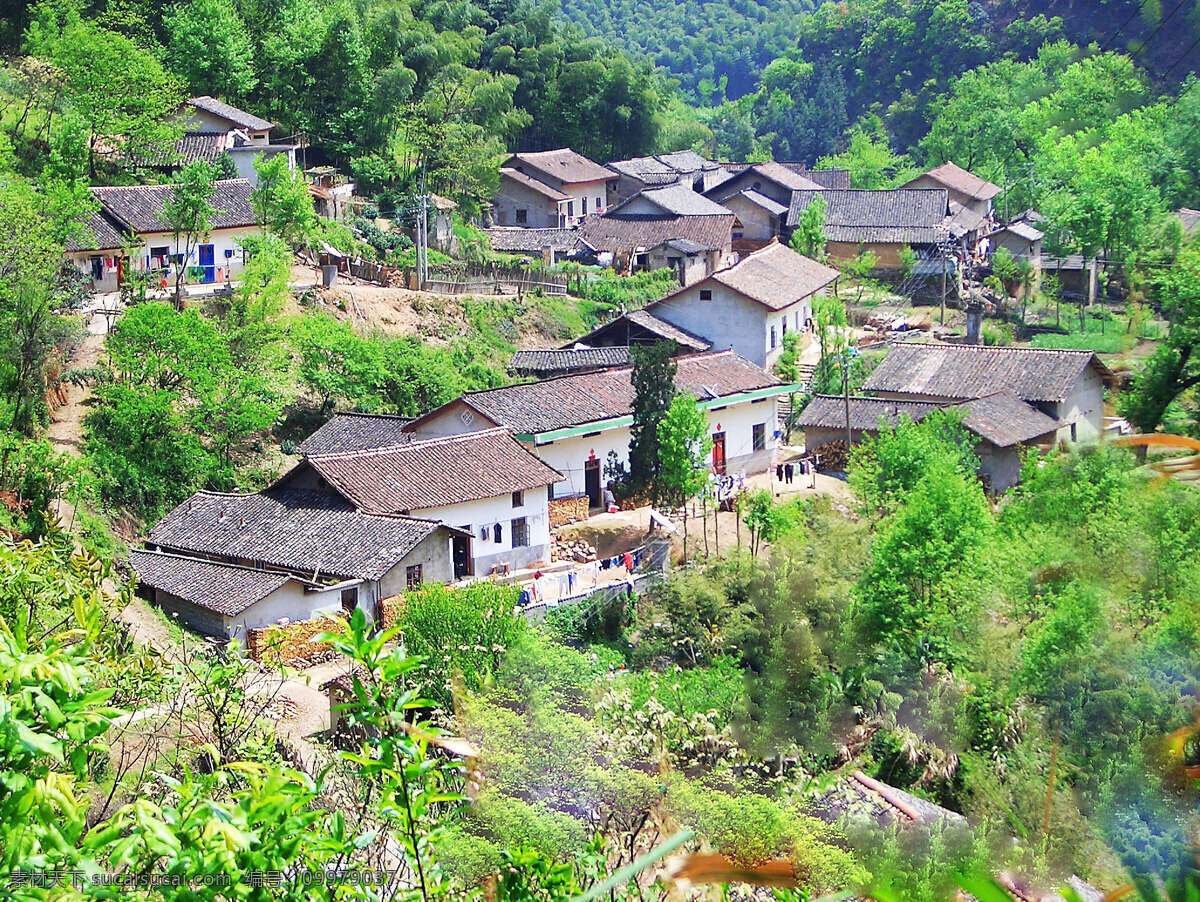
[
  {"x": 833, "y": 455},
  {"x": 294, "y": 644},
  {"x": 577, "y": 551}
]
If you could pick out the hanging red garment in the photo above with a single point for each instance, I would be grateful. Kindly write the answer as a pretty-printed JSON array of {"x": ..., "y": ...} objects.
[{"x": 628, "y": 561}]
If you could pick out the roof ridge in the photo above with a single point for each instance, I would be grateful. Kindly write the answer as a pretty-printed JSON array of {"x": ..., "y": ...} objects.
[
  {"x": 177, "y": 555},
  {"x": 402, "y": 446},
  {"x": 932, "y": 344},
  {"x": 609, "y": 369}
]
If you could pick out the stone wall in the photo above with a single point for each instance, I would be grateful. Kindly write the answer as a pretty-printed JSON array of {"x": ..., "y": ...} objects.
[{"x": 568, "y": 510}]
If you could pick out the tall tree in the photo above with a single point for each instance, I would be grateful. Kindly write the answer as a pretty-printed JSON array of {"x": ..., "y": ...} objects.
[
  {"x": 683, "y": 448},
  {"x": 282, "y": 202},
  {"x": 209, "y": 46},
  {"x": 653, "y": 379},
  {"x": 189, "y": 212}
]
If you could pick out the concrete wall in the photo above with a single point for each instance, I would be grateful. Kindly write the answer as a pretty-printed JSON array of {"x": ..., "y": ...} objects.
[
  {"x": 692, "y": 268},
  {"x": 541, "y": 212},
  {"x": 1083, "y": 407},
  {"x": 435, "y": 556},
  {"x": 594, "y": 193},
  {"x": 449, "y": 421},
  {"x": 757, "y": 223},
  {"x": 474, "y": 515},
  {"x": 290, "y": 600},
  {"x": 244, "y": 157},
  {"x": 1001, "y": 466}
]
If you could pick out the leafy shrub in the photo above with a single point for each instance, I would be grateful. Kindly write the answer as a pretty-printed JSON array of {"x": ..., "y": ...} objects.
[{"x": 460, "y": 632}]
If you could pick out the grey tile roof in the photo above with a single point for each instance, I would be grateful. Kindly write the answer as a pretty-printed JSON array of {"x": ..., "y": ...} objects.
[
  {"x": 301, "y": 531},
  {"x": 1189, "y": 219},
  {"x": 963, "y": 219},
  {"x": 1001, "y": 418},
  {"x": 901, "y": 216},
  {"x": 622, "y": 233},
  {"x": 646, "y": 169},
  {"x": 536, "y": 407},
  {"x": 560, "y": 361},
  {"x": 356, "y": 432},
  {"x": 140, "y": 207},
  {"x": 684, "y": 245},
  {"x": 1005, "y": 420},
  {"x": 189, "y": 148},
  {"x": 785, "y": 177},
  {"x": 434, "y": 472},
  {"x": 643, "y": 319},
  {"x": 761, "y": 200},
  {"x": 829, "y": 412},
  {"x": 970, "y": 371},
  {"x": 99, "y": 234},
  {"x": 564, "y": 164},
  {"x": 1023, "y": 230},
  {"x": 221, "y": 588},
  {"x": 685, "y": 161},
  {"x": 676, "y": 200},
  {"x": 232, "y": 113},
  {"x": 829, "y": 178},
  {"x": 954, "y": 176},
  {"x": 515, "y": 240},
  {"x": 532, "y": 184},
  {"x": 775, "y": 276}
]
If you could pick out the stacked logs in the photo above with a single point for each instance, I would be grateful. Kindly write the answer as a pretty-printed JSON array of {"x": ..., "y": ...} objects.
[{"x": 833, "y": 455}]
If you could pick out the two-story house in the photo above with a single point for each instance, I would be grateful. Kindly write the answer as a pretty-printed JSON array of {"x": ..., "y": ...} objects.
[
  {"x": 751, "y": 306},
  {"x": 550, "y": 189}
]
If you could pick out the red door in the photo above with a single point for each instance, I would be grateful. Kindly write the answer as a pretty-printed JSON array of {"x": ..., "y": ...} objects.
[{"x": 718, "y": 456}]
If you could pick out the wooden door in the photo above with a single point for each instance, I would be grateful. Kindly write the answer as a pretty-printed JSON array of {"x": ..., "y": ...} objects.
[
  {"x": 591, "y": 483},
  {"x": 718, "y": 453}
]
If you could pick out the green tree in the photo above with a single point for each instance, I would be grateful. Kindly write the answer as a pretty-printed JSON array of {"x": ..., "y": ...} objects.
[
  {"x": 1174, "y": 368},
  {"x": 189, "y": 213},
  {"x": 683, "y": 448},
  {"x": 335, "y": 363},
  {"x": 653, "y": 378},
  {"x": 809, "y": 235},
  {"x": 869, "y": 158},
  {"x": 282, "y": 202},
  {"x": 917, "y": 589},
  {"x": 209, "y": 46}
]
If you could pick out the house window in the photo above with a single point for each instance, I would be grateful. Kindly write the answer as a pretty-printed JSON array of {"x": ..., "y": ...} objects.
[
  {"x": 774, "y": 340},
  {"x": 706, "y": 294},
  {"x": 571, "y": 209},
  {"x": 412, "y": 577},
  {"x": 583, "y": 206},
  {"x": 520, "y": 532},
  {"x": 759, "y": 434},
  {"x": 518, "y": 499},
  {"x": 522, "y": 217},
  {"x": 738, "y": 234},
  {"x": 1072, "y": 432},
  {"x": 599, "y": 205},
  {"x": 350, "y": 599},
  {"x": 160, "y": 257},
  {"x": 783, "y": 323}
]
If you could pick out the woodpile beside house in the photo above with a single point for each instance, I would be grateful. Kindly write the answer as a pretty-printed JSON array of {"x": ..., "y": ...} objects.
[
  {"x": 294, "y": 644},
  {"x": 833, "y": 456}
]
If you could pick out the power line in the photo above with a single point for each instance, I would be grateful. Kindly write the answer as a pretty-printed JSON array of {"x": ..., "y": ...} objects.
[
  {"x": 1182, "y": 57},
  {"x": 1124, "y": 24}
]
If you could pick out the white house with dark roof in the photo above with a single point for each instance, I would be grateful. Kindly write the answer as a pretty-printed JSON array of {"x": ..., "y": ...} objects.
[
  {"x": 484, "y": 483},
  {"x": 749, "y": 307},
  {"x": 669, "y": 200},
  {"x": 550, "y": 189},
  {"x": 225, "y": 563},
  {"x": 1066, "y": 385},
  {"x": 770, "y": 179},
  {"x": 135, "y": 213},
  {"x": 574, "y": 422},
  {"x": 242, "y": 135}
]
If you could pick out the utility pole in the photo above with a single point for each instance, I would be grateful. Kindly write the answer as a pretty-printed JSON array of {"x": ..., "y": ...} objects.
[
  {"x": 846, "y": 396},
  {"x": 422, "y": 231},
  {"x": 943, "y": 256}
]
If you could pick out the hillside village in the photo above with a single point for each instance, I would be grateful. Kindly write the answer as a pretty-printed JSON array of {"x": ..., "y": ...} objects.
[{"x": 418, "y": 495}]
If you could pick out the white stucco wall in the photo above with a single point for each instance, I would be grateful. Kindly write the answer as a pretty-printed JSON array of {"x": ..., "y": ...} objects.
[
  {"x": 244, "y": 157},
  {"x": 474, "y": 515},
  {"x": 291, "y": 602},
  {"x": 1084, "y": 407},
  {"x": 570, "y": 455},
  {"x": 596, "y": 195},
  {"x": 733, "y": 322},
  {"x": 220, "y": 239}
]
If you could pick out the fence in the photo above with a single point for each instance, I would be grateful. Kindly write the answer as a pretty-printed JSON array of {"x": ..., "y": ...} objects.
[{"x": 477, "y": 278}]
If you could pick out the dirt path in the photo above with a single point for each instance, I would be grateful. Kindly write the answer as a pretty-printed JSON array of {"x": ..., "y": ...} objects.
[{"x": 66, "y": 423}]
